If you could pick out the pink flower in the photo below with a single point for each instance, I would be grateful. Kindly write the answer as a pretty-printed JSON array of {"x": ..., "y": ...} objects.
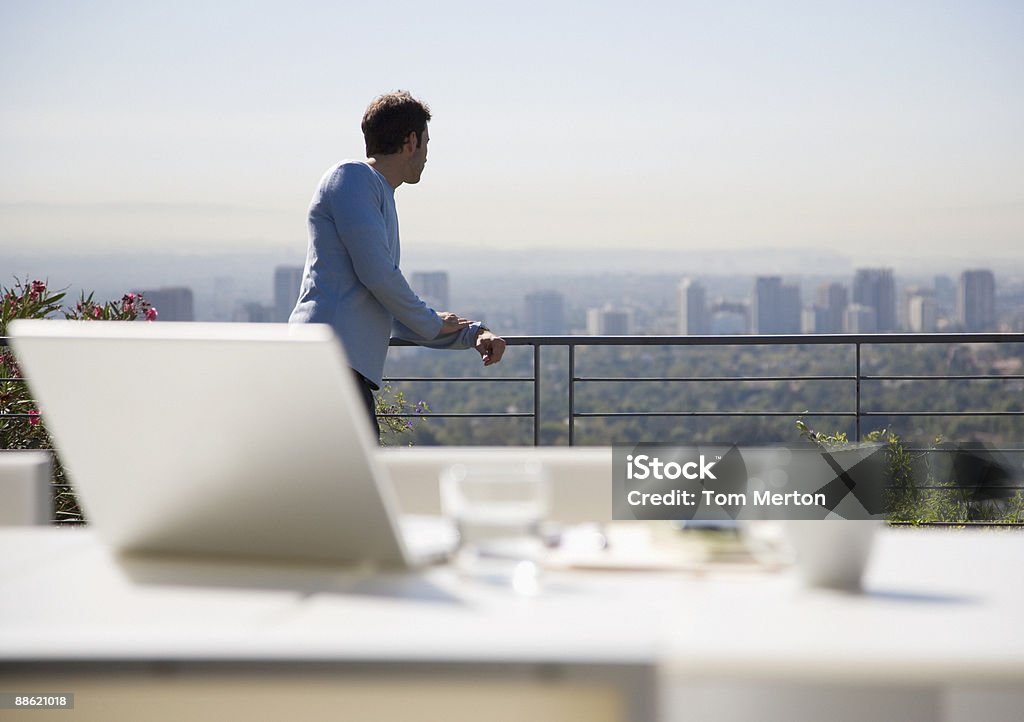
[
  {"x": 151, "y": 314},
  {"x": 8, "y": 360},
  {"x": 97, "y": 312},
  {"x": 36, "y": 290},
  {"x": 33, "y": 417}
]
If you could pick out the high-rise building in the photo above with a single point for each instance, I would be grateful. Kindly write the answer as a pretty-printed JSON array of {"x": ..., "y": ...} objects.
[
  {"x": 829, "y": 306},
  {"x": 945, "y": 294},
  {"x": 728, "y": 318},
  {"x": 545, "y": 313},
  {"x": 860, "y": 319},
  {"x": 976, "y": 300},
  {"x": 922, "y": 311},
  {"x": 287, "y": 280},
  {"x": 814, "y": 319},
  {"x": 694, "y": 316},
  {"x": 875, "y": 288},
  {"x": 790, "y": 306},
  {"x": 224, "y": 298},
  {"x": 253, "y": 312},
  {"x": 172, "y": 304},
  {"x": 764, "y": 303},
  {"x": 609, "y": 321},
  {"x": 432, "y": 287},
  {"x": 776, "y": 306}
]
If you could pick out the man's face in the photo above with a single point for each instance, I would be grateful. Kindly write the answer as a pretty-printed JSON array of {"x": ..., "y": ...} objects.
[{"x": 418, "y": 159}]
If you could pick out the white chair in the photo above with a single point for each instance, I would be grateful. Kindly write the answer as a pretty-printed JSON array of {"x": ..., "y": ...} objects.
[{"x": 25, "y": 496}]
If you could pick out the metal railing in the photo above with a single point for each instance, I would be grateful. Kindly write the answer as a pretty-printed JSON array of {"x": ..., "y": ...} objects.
[{"x": 856, "y": 375}]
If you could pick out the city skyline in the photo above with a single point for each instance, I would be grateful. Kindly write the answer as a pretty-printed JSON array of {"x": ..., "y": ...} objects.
[
  {"x": 884, "y": 131},
  {"x": 971, "y": 301}
]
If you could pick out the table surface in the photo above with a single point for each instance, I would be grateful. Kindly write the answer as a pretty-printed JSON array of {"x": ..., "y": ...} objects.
[{"x": 940, "y": 606}]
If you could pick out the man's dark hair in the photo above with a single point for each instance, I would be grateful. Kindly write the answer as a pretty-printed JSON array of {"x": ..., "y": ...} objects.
[{"x": 389, "y": 120}]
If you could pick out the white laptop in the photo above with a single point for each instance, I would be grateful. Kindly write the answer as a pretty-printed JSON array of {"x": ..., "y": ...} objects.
[{"x": 217, "y": 439}]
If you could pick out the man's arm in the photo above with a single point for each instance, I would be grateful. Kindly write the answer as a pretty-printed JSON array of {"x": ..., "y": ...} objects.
[{"x": 490, "y": 346}]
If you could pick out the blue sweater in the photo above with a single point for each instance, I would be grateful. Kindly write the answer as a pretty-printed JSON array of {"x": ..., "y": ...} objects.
[{"x": 352, "y": 280}]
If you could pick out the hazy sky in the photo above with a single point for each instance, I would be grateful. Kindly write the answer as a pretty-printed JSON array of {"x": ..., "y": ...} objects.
[{"x": 879, "y": 126}]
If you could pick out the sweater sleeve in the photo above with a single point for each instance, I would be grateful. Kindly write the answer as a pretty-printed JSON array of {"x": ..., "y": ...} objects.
[
  {"x": 355, "y": 206},
  {"x": 463, "y": 338}
]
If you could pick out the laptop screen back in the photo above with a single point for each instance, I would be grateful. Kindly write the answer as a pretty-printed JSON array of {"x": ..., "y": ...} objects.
[{"x": 213, "y": 439}]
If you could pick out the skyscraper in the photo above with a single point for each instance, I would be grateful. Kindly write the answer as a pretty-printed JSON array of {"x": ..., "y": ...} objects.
[
  {"x": 830, "y": 306},
  {"x": 875, "y": 288},
  {"x": 945, "y": 294},
  {"x": 287, "y": 280},
  {"x": 172, "y": 304},
  {"x": 694, "y": 318},
  {"x": 609, "y": 321},
  {"x": 812, "y": 319},
  {"x": 976, "y": 300},
  {"x": 224, "y": 298},
  {"x": 922, "y": 311},
  {"x": 432, "y": 287},
  {"x": 860, "y": 319},
  {"x": 545, "y": 313},
  {"x": 790, "y": 306},
  {"x": 776, "y": 306},
  {"x": 253, "y": 312}
]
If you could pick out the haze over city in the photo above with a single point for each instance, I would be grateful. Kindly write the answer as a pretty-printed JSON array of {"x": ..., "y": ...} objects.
[{"x": 877, "y": 132}]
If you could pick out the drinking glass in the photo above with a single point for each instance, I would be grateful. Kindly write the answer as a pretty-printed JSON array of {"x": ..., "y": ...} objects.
[{"x": 498, "y": 511}]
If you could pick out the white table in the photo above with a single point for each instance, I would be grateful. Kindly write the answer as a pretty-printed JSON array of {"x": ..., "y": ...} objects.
[{"x": 938, "y": 635}]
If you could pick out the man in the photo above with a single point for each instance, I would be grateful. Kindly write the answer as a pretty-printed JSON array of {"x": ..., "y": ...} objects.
[{"x": 351, "y": 279}]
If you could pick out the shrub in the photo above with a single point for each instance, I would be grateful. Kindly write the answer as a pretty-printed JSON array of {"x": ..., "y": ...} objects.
[
  {"x": 923, "y": 484},
  {"x": 22, "y": 422},
  {"x": 389, "y": 403}
]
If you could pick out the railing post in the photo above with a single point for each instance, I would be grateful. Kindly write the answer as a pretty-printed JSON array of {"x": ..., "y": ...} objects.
[
  {"x": 572, "y": 397},
  {"x": 857, "y": 355},
  {"x": 536, "y": 394}
]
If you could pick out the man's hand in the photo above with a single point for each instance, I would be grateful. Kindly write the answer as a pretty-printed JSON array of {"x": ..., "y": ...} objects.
[
  {"x": 490, "y": 347},
  {"x": 452, "y": 322}
]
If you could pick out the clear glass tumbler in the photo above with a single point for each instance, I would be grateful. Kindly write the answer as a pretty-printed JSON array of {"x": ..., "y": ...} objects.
[{"x": 498, "y": 511}]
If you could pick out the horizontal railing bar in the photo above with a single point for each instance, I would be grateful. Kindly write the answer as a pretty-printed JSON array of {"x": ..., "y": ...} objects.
[
  {"x": 957, "y": 487},
  {"x": 460, "y": 415},
  {"x": 759, "y": 340},
  {"x": 942, "y": 413},
  {"x": 715, "y": 378},
  {"x": 978, "y": 377},
  {"x": 649, "y": 379},
  {"x": 594, "y": 414},
  {"x": 747, "y": 339},
  {"x": 907, "y": 449},
  {"x": 955, "y": 448},
  {"x": 956, "y": 523},
  {"x": 521, "y": 379},
  {"x": 459, "y": 378}
]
